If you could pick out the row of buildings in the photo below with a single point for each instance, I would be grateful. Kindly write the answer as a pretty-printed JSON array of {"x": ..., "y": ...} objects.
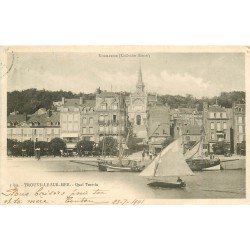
[
  {"x": 220, "y": 124},
  {"x": 117, "y": 114}
]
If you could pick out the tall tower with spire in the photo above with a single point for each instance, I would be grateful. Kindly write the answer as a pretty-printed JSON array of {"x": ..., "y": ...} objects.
[{"x": 140, "y": 85}]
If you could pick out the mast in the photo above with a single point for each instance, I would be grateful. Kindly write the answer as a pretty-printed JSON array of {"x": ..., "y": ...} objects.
[
  {"x": 103, "y": 145},
  {"x": 119, "y": 132}
]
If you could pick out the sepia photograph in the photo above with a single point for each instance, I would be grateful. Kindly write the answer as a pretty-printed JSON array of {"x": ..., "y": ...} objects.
[{"x": 123, "y": 125}]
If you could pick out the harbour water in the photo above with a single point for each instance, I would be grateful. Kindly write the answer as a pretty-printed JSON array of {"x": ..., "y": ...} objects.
[{"x": 203, "y": 185}]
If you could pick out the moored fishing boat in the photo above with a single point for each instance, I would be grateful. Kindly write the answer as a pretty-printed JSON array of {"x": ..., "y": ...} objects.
[{"x": 196, "y": 159}]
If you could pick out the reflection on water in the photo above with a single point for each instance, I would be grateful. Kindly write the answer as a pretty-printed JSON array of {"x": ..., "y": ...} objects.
[{"x": 210, "y": 184}]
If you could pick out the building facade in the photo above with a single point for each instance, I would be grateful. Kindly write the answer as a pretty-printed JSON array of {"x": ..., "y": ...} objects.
[
  {"x": 239, "y": 122},
  {"x": 191, "y": 134},
  {"x": 137, "y": 108},
  {"x": 218, "y": 124},
  {"x": 111, "y": 117},
  {"x": 158, "y": 126},
  {"x": 43, "y": 125}
]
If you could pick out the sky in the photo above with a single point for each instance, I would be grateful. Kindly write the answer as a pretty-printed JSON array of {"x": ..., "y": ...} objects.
[{"x": 198, "y": 74}]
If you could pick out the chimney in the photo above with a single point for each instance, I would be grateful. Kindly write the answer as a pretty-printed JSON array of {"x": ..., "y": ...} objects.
[
  {"x": 63, "y": 100},
  {"x": 81, "y": 100}
]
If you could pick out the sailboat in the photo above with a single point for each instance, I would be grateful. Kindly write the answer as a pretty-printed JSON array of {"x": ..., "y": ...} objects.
[
  {"x": 167, "y": 166},
  {"x": 197, "y": 161}
]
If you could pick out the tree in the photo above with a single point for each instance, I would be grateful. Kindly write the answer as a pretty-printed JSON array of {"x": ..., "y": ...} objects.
[
  {"x": 221, "y": 148},
  {"x": 28, "y": 146},
  {"x": 110, "y": 146},
  {"x": 85, "y": 146},
  {"x": 13, "y": 147},
  {"x": 44, "y": 147},
  {"x": 56, "y": 145},
  {"x": 241, "y": 148}
]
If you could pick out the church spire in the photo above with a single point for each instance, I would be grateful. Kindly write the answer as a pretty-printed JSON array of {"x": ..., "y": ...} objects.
[{"x": 140, "y": 85}]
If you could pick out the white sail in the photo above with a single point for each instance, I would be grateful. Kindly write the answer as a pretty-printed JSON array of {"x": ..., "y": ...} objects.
[
  {"x": 170, "y": 162},
  {"x": 193, "y": 151}
]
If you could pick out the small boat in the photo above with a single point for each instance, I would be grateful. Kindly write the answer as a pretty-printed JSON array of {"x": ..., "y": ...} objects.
[
  {"x": 214, "y": 168},
  {"x": 168, "y": 165},
  {"x": 161, "y": 184},
  {"x": 122, "y": 166}
]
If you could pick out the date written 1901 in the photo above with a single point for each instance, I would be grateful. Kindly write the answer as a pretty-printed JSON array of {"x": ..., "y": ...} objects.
[{"x": 127, "y": 202}]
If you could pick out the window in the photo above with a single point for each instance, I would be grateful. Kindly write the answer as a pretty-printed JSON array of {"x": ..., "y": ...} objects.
[
  {"x": 70, "y": 118},
  {"x": 91, "y": 120},
  {"x": 212, "y": 136},
  {"x": 76, "y": 117},
  {"x": 84, "y": 130},
  {"x": 218, "y": 126},
  {"x": 101, "y": 118},
  {"x": 240, "y": 138},
  {"x": 18, "y": 131},
  {"x": 91, "y": 131},
  {"x": 164, "y": 132},
  {"x": 224, "y": 115},
  {"x": 104, "y": 106},
  {"x": 211, "y": 115},
  {"x": 56, "y": 131},
  {"x": 106, "y": 118},
  {"x": 239, "y": 119},
  {"x": 70, "y": 127},
  {"x": 212, "y": 125},
  {"x": 240, "y": 129},
  {"x": 224, "y": 125},
  {"x": 138, "y": 120},
  {"x": 76, "y": 127},
  {"x": 64, "y": 118},
  {"x": 114, "y": 118},
  {"x": 115, "y": 106},
  {"x": 115, "y": 129},
  {"x": 218, "y": 115},
  {"x": 84, "y": 120},
  {"x": 48, "y": 131},
  {"x": 107, "y": 129},
  {"x": 101, "y": 128}
]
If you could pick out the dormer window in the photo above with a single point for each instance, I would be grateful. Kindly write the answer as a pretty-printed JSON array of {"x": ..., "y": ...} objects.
[
  {"x": 115, "y": 106},
  {"x": 104, "y": 106}
]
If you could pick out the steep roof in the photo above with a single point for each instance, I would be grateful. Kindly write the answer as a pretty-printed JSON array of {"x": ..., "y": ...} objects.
[
  {"x": 216, "y": 108},
  {"x": 89, "y": 103},
  {"x": 72, "y": 102},
  {"x": 187, "y": 110},
  {"x": 17, "y": 118},
  {"x": 44, "y": 118}
]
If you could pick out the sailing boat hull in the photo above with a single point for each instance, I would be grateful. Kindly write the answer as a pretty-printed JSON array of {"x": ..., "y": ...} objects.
[
  {"x": 202, "y": 164},
  {"x": 161, "y": 184},
  {"x": 116, "y": 168}
]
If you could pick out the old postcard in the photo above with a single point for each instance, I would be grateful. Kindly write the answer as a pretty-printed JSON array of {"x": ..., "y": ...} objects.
[{"x": 124, "y": 125}]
